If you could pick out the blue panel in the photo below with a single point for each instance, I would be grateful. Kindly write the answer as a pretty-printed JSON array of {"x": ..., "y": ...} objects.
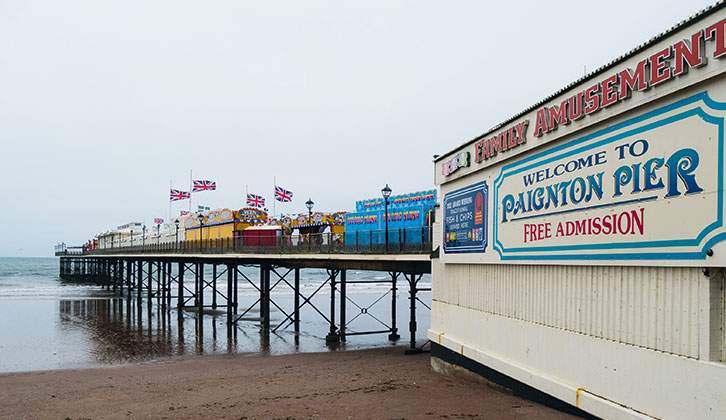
[{"x": 465, "y": 219}]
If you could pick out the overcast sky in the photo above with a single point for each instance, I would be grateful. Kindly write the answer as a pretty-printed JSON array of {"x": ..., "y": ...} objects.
[{"x": 103, "y": 103}]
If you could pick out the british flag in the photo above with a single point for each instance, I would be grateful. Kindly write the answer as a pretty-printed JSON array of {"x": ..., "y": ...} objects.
[
  {"x": 282, "y": 194},
  {"x": 176, "y": 195},
  {"x": 183, "y": 213},
  {"x": 203, "y": 185},
  {"x": 255, "y": 200},
  {"x": 158, "y": 220}
]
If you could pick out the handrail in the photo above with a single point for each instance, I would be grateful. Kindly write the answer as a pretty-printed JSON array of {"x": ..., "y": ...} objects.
[{"x": 394, "y": 241}]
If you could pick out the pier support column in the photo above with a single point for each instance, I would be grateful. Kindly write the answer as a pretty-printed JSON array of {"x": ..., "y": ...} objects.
[
  {"x": 265, "y": 297},
  {"x": 332, "y": 336},
  {"x": 150, "y": 279},
  {"x": 180, "y": 288},
  {"x": 341, "y": 332},
  {"x": 413, "y": 280},
  {"x": 393, "y": 336},
  {"x": 296, "y": 315},
  {"x": 139, "y": 279},
  {"x": 121, "y": 276},
  {"x": 159, "y": 291},
  {"x": 230, "y": 305},
  {"x": 234, "y": 294},
  {"x": 161, "y": 284},
  {"x": 214, "y": 286},
  {"x": 168, "y": 285},
  {"x": 200, "y": 292},
  {"x": 129, "y": 267}
]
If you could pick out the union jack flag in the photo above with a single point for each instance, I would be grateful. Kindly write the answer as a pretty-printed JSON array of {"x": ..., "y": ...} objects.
[
  {"x": 255, "y": 200},
  {"x": 183, "y": 213},
  {"x": 158, "y": 220},
  {"x": 282, "y": 194},
  {"x": 176, "y": 195},
  {"x": 203, "y": 185}
]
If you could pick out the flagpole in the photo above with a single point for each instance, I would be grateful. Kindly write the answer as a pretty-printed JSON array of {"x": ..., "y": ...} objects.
[
  {"x": 190, "y": 194},
  {"x": 169, "y": 200},
  {"x": 274, "y": 181},
  {"x": 247, "y": 191}
]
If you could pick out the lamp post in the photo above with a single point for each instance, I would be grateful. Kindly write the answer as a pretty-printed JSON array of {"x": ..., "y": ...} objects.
[
  {"x": 200, "y": 217},
  {"x": 143, "y": 235},
  {"x": 132, "y": 237},
  {"x": 386, "y": 191},
  {"x": 309, "y": 204},
  {"x": 176, "y": 234}
]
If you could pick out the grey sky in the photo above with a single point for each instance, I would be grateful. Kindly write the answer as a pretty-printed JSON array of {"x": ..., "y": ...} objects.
[{"x": 102, "y": 103}]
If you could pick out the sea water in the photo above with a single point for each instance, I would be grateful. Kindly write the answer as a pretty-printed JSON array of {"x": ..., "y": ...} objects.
[{"x": 48, "y": 323}]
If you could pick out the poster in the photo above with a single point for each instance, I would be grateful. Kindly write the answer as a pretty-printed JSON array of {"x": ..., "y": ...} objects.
[{"x": 465, "y": 219}]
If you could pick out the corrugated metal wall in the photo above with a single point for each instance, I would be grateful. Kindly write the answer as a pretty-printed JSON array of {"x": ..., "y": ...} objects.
[{"x": 653, "y": 307}]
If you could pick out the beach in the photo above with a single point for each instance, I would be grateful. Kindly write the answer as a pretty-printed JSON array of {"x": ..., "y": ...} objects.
[{"x": 379, "y": 383}]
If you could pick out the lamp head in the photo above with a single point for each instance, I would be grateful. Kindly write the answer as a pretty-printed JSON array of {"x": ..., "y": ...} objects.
[
  {"x": 386, "y": 191},
  {"x": 309, "y": 204}
]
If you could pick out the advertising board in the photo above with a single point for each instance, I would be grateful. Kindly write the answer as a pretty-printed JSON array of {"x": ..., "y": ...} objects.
[
  {"x": 465, "y": 219},
  {"x": 650, "y": 187}
]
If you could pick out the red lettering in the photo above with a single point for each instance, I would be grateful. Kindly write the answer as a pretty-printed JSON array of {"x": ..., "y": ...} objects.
[
  {"x": 537, "y": 232},
  {"x": 609, "y": 91},
  {"x": 558, "y": 115},
  {"x": 688, "y": 53},
  {"x": 522, "y": 132},
  {"x": 540, "y": 127},
  {"x": 512, "y": 139},
  {"x": 592, "y": 99},
  {"x": 638, "y": 220},
  {"x": 493, "y": 147},
  {"x": 607, "y": 227},
  {"x": 502, "y": 140},
  {"x": 630, "y": 80},
  {"x": 717, "y": 32},
  {"x": 660, "y": 70},
  {"x": 479, "y": 151},
  {"x": 575, "y": 103},
  {"x": 596, "y": 226}
]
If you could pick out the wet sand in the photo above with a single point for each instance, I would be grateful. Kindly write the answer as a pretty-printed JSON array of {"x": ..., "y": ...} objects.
[{"x": 366, "y": 384}]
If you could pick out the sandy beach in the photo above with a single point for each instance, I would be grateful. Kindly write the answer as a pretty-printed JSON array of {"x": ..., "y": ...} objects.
[{"x": 366, "y": 384}]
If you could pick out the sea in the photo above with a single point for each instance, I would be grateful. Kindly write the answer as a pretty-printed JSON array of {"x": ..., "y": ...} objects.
[{"x": 49, "y": 323}]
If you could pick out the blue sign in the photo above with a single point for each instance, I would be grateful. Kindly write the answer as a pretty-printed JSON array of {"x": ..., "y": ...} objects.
[{"x": 465, "y": 219}]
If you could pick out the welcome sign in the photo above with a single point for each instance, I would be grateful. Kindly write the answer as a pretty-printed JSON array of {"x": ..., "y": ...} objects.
[{"x": 647, "y": 188}]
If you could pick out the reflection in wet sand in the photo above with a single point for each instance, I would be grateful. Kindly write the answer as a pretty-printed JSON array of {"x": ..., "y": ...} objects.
[{"x": 121, "y": 330}]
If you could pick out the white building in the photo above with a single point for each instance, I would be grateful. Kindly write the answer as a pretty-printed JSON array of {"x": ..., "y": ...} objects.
[{"x": 582, "y": 241}]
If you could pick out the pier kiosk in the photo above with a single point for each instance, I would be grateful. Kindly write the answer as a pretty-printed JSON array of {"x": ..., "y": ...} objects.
[{"x": 582, "y": 241}]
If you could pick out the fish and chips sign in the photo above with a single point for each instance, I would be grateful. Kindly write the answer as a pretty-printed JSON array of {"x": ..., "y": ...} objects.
[{"x": 649, "y": 187}]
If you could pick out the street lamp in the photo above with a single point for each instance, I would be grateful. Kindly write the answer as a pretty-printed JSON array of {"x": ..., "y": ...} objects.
[
  {"x": 200, "y": 217},
  {"x": 132, "y": 237},
  {"x": 386, "y": 191},
  {"x": 309, "y": 204},
  {"x": 143, "y": 235}
]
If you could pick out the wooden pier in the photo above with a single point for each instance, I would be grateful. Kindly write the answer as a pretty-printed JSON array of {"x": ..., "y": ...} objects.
[{"x": 164, "y": 277}]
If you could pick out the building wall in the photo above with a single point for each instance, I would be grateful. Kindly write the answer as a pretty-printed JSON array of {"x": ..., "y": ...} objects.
[
  {"x": 652, "y": 307},
  {"x": 616, "y": 334}
]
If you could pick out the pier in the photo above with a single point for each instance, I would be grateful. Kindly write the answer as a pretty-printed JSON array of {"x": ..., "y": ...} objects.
[{"x": 177, "y": 276}]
